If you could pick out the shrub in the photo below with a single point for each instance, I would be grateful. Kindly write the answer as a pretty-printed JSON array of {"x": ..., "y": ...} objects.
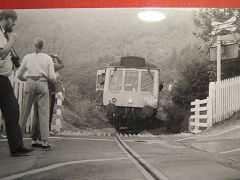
[
  {"x": 86, "y": 115},
  {"x": 192, "y": 84},
  {"x": 174, "y": 118}
]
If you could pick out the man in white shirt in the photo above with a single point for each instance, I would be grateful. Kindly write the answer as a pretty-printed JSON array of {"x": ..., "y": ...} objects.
[
  {"x": 8, "y": 102},
  {"x": 54, "y": 91},
  {"x": 37, "y": 69}
]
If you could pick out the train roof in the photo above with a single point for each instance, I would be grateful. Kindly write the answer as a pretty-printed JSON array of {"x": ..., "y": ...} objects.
[{"x": 133, "y": 62}]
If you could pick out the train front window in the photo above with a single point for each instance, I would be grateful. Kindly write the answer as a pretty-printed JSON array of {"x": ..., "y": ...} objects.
[
  {"x": 147, "y": 81},
  {"x": 115, "y": 82},
  {"x": 131, "y": 80}
]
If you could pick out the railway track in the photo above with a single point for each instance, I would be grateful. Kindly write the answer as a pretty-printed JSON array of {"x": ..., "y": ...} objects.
[{"x": 143, "y": 166}]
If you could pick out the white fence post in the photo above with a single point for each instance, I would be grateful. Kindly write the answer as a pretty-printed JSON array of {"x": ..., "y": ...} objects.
[
  {"x": 209, "y": 112},
  {"x": 211, "y": 104},
  {"x": 58, "y": 113},
  {"x": 197, "y": 106}
]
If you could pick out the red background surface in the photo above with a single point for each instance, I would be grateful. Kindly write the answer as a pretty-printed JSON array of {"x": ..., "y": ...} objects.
[{"x": 32, "y": 4}]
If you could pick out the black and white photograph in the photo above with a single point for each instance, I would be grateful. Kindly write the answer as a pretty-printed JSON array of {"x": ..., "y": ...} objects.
[{"x": 120, "y": 94}]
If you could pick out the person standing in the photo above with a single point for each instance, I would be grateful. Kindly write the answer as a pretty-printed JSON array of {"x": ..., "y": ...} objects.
[
  {"x": 39, "y": 70},
  {"x": 8, "y": 102},
  {"x": 56, "y": 87}
]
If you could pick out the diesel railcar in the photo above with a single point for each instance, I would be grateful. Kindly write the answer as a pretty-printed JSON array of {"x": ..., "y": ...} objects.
[{"x": 129, "y": 91}]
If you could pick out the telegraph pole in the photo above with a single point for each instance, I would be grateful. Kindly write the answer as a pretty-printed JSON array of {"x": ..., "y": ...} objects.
[
  {"x": 217, "y": 28},
  {"x": 219, "y": 53}
]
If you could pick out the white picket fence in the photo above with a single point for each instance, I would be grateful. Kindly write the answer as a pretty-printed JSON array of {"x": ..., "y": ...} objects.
[
  {"x": 18, "y": 87},
  {"x": 223, "y": 101}
]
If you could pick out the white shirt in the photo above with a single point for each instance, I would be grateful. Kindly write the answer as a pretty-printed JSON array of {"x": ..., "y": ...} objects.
[
  {"x": 39, "y": 64},
  {"x": 6, "y": 66}
]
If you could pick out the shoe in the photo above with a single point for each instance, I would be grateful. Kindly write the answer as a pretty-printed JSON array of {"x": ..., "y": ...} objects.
[
  {"x": 21, "y": 152},
  {"x": 46, "y": 148},
  {"x": 51, "y": 133},
  {"x": 36, "y": 145}
]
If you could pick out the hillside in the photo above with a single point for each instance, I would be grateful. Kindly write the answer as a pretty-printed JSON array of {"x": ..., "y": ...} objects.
[{"x": 88, "y": 39}]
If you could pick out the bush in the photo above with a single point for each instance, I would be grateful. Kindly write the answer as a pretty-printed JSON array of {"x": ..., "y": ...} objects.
[
  {"x": 85, "y": 115},
  {"x": 175, "y": 116},
  {"x": 193, "y": 83}
]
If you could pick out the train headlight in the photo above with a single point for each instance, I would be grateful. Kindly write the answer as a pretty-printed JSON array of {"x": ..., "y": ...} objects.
[
  {"x": 130, "y": 101},
  {"x": 150, "y": 100},
  {"x": 114, "y": 100}
]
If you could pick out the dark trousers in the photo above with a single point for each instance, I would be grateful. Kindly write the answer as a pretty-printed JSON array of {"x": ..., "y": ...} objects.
[
  {"x": 10, "y": 111},
  {"x": 52, "y": 102}
]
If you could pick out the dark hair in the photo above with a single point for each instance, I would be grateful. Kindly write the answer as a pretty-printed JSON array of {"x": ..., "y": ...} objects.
[{"x": 8, "y": 13}]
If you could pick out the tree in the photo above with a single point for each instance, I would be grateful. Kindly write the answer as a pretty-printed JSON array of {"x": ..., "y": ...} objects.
[
  {"x": 203, "y": 19},
  {"x": 192, "y": 85},
  {"x": 193, "y": 77}
]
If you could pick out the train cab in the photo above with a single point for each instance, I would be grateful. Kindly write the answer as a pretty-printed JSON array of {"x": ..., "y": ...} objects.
[{"x": 129, "y": 87}]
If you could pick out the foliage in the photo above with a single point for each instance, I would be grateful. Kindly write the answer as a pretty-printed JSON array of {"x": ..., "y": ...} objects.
[
  {"x": 193, "y": 84},
  {"x": 85, "y": 116},
  {"x": 230, "y": 69},
  {"x": 194, "y": 71},
  {"x": 174, "y": 118},
  {"x": 204, "y": 17}
]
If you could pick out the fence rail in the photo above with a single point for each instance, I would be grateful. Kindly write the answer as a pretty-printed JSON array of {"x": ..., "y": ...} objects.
[{"x": 223, "y": 101}]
